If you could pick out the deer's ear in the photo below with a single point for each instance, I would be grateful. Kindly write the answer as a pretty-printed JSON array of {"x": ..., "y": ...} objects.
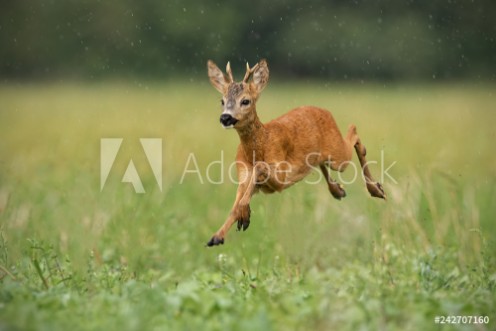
[
  {"x": 217, "y": 78},
  {"x": 261, "y": 75}
]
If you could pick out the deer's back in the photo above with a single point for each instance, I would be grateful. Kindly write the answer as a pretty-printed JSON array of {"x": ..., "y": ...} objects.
[
  {"x": 308, "y": 123},
  {"x": 306, "y": 130}
]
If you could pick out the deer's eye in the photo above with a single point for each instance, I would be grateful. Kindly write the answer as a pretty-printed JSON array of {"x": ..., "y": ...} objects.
[
  {"x": 222, "y": 102},
  {"x": 245, "y": 102}
]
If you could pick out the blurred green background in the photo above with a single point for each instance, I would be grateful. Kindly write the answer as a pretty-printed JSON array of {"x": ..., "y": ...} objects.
[{"x": 335, "y": 40}]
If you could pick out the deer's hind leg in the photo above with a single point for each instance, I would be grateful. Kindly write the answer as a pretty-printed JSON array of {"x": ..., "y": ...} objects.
[
  {"x": 375, "y": 188},
  {"x": 335, "y": 188}
]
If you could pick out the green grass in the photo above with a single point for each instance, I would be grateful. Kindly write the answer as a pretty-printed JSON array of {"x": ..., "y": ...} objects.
[{"x": 74, "y": 257}]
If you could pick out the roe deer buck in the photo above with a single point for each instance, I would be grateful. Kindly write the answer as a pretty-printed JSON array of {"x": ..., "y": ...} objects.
[{"x": 273, "y": 156}]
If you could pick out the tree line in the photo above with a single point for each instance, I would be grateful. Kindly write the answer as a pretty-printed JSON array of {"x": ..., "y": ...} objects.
[{"x": 338, "y": 39}]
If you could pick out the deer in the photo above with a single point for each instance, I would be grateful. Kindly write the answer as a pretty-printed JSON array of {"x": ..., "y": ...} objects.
[{"x": 273, "y": 156}]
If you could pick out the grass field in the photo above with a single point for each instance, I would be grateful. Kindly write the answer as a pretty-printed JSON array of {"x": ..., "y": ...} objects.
[{"x": 75, "y": 257}]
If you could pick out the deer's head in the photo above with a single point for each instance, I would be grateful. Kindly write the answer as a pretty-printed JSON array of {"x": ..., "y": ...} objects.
[{"x": 238, "y": 99}]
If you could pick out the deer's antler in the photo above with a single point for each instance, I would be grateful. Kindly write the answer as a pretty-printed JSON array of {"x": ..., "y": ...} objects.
[
  {"x": 249, "y": 72},
  {"x": 229, "y": 72}
]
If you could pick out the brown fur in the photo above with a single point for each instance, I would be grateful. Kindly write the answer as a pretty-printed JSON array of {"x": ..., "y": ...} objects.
[{"x": 273, "y": 156}]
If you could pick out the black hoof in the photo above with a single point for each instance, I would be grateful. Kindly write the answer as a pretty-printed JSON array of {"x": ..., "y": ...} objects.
[
  {"x": 337, "y": 191},
  {"x": 243, "y": 224},
  {"x": 244, "y": 221},
  {"x": 215, "y": 241},
  {"x": 376, "y": 190}
]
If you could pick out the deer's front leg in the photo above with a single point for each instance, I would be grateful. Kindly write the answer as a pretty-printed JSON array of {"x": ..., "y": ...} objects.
[{"x": 240, "y": 211}]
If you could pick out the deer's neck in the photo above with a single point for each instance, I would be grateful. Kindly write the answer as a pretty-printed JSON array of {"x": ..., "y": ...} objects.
[{"x": 253, "y": 137}]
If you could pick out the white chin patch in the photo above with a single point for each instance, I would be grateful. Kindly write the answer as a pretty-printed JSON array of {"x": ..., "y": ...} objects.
[{"x": 228, "y": 127}]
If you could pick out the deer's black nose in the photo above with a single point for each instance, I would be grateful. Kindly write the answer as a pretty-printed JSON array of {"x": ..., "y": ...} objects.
[{"x": 227, "y": 120}]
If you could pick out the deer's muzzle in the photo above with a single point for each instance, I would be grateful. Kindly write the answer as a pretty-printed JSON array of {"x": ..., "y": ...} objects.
[{"x": 227, "y": 120}]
